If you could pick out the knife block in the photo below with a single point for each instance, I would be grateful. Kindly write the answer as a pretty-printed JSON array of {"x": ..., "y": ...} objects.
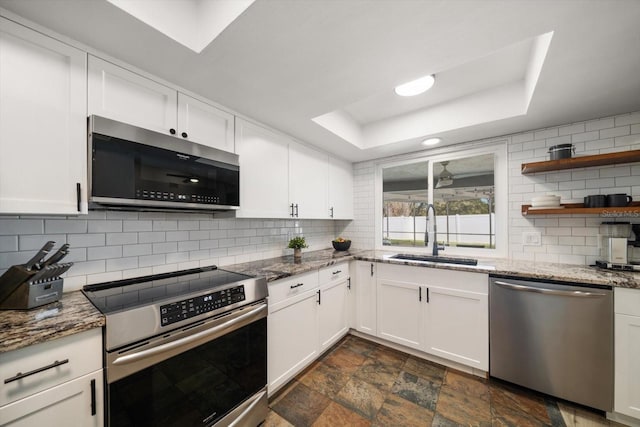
[{"x": 31, "y": 295}]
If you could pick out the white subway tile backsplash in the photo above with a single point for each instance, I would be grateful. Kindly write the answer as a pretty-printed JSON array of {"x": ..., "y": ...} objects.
[
  {"x": 137, "y": 225},
  {"x": 628, "y": 119},
  {"x": 127, "y": 263},
  {"x": 136, "y": 250},
  {"x": 613, "y": 132},
  {"x": 121, "y": 238},
  {"x": 151, "y": 260},
  {"x": 104, "y": 252},
  {"x": 9, "y": 243},
  {"x": 570, "y": 129},
  {"x": 586, "y": 136},
  {"x": 545, "y": 133},
  {"x": 165, "y": 225},
  {"x": 600, "y": 124},
  {"x": 151, "y": 236},
  {"x": 28, "y": 242},
  {"x": 190, "y": 245},
  {"x": 59, "y": 226},
  {"x": 110, "y": 226},
  {"x": 86, "y": 240},
  {"x": 12, "y": 226}
]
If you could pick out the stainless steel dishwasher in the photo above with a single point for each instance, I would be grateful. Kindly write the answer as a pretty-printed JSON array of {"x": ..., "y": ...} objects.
[{"x": 553, "y": 337}]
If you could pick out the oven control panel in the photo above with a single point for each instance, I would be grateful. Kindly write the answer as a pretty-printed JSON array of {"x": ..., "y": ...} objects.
[{"x": 188, "y": 308}]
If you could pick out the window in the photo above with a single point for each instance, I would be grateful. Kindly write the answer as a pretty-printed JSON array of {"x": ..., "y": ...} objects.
[{"x": 467, "y": 190}]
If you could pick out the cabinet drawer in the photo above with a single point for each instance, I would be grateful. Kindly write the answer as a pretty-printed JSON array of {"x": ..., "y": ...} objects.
[
  {"x": 285, "y": 288},
  {"x": 75, "y": 355},
  {"x": 627, "y": 301},
  {"x": 334, "y": 273}
]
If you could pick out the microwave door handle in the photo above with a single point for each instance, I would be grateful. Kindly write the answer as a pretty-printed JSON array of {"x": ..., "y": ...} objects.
[
  {"x": 548, "y": 291},
  {"x": 134, "y": 357}
]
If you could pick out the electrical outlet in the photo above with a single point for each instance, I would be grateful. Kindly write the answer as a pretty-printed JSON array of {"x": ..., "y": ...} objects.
[{"x": 531, "y": 238}]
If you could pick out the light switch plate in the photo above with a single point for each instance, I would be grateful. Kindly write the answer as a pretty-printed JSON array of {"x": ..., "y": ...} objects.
[{"x": 531, "y": 238}]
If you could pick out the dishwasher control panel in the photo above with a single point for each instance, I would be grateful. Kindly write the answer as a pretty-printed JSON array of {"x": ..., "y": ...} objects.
[{"x": 191, "y": 307}]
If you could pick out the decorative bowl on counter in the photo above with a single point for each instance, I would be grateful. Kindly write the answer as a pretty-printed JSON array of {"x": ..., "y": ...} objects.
[{"x": 341, "y": 245}]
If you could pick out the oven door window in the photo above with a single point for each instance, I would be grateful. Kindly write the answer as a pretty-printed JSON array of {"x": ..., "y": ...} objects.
[{"x": 197, "y": 387}]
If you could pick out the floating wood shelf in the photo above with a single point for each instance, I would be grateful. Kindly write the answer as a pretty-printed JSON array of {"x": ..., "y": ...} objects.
[
  {"x": 578, "y": 208},
  {"x": 582, "y": 162}
]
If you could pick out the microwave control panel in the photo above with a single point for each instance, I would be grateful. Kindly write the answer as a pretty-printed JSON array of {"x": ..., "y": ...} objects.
[
  {"x": 191, "y": 307},
  {"x": 167, "y": 196}
]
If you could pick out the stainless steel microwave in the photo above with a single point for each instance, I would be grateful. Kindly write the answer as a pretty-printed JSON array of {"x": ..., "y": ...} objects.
[{"x": 138, "y": 169}]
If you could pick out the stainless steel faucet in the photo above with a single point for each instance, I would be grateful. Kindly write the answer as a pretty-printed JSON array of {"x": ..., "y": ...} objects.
[{"x": 436, "y": 248}]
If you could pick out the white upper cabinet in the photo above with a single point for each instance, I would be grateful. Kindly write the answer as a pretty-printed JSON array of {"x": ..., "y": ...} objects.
[
  {"x": 340, "y": 189},
  {"x": 308, "y": 179},
  {"x": 264, "y": 172},
  {"x": 205, "y": 124},
  {"x": 122, "y": 95},
  {"x": 43, "y": 149}
]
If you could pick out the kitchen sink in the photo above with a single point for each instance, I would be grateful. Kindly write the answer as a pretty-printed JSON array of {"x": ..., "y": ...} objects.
[{"x": 432, "y": 258}]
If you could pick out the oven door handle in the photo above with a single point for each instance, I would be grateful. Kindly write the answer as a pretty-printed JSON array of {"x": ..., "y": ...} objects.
[
  {"x": 240, "y": 418},
  {"x": 134, "y": 357}
]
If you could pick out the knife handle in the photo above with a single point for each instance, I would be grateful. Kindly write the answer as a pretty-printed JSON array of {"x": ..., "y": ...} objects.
[
  {"x": 61, "y": 253},
  {"x": 41, "y": 254}
]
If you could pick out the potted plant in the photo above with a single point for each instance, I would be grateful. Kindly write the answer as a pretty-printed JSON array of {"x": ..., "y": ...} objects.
[{"x": 297, "y": 244}]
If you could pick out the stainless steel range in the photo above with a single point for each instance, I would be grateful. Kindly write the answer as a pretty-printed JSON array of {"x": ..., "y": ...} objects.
[{"x": 185, "y": 349}]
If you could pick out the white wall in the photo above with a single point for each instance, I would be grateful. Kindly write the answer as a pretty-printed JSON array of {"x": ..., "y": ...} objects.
[
  {"x": 565, "y": 238},
  {"x": 114, "y": 245}
]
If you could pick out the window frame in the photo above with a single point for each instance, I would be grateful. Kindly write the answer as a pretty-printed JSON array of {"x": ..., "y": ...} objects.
[{"x": 499, "y": 149}]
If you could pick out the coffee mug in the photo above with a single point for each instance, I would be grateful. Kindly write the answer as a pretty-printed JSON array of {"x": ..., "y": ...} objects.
[
  {"x": 595, "y": 201},
  {"x": 618, "y": 200}
]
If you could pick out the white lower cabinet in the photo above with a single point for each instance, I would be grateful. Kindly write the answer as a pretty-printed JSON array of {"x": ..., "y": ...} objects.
[
  {"x": 627, "y": 352},
  {"x": 441, "y": 312},
  {"x": 58, "y": 383},
  {"x": 365, "y": 295},
  {"x": 307, "y": 315},
  {"x": 292, "y": 327},
  {"x": 76, "y": 403},
  {"x": 333, "y": 304}
]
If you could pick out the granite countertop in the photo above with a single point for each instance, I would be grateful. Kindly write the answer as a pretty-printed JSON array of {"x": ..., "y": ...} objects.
[
  {"x": 285, "y": 266},
  {"x": 278, "y": 268},
  {"x": 74, "y": 313},
  {"x": 71, "y": 315}
]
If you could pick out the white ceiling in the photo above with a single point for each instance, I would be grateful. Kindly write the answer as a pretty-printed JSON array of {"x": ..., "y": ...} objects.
[{"x": 285, "y": 62}]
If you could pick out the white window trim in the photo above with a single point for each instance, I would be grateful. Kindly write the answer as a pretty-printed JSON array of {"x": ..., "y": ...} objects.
[{"x": 499, "y": 149}]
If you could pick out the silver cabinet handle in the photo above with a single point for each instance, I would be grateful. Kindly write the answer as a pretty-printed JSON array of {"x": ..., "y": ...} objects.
[
  {"x": 524, "y": 288},
  {"x": 20, "y": 375},
  {"x": 134, "y": 357}
]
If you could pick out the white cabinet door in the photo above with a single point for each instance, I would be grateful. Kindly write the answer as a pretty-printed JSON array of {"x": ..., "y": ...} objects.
[
  {"x": 457, "y": 326},
  {"x": 333, "y": 311},
  {"x": 308, "y": 181},
  {"x": 627, "y": 351},
  {"x": 264, "y": 172},
  {"x": 128, "y": 97},
  {"x": 340, "y": 189},
  {"x": 76, "y": 403},
  {"x": 43, "y": 124},
  {"x": 205, "y": 124},
  {"x": 400, "y": 318},
  {"x": 365, "y": 290},
  {"x": 292, "y": 338}
]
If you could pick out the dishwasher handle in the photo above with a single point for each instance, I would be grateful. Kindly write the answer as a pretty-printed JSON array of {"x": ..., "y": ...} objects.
[{"x": 581, "y": 294}]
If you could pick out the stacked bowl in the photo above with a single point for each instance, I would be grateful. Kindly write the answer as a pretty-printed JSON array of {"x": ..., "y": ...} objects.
[{"x": 545, "y": 202}]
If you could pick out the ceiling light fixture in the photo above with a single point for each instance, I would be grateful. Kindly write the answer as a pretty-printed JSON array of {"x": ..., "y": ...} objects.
[
  {"x": 446, "y": 178},
  {"x": 431, "y": 141},
  {"x": 416, "y": 87}
]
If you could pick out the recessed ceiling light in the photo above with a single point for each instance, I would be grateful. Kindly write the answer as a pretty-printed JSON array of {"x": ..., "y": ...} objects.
[
  {"x": 431, "y": 141},
  {"x": 416, "y": 87}
]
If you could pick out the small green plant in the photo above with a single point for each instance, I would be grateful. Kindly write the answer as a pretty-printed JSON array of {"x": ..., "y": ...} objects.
[{"x": 298, "y": 242}]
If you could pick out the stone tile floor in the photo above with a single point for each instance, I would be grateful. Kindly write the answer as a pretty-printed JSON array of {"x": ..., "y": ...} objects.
[{"x": 360, "y": 383}]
